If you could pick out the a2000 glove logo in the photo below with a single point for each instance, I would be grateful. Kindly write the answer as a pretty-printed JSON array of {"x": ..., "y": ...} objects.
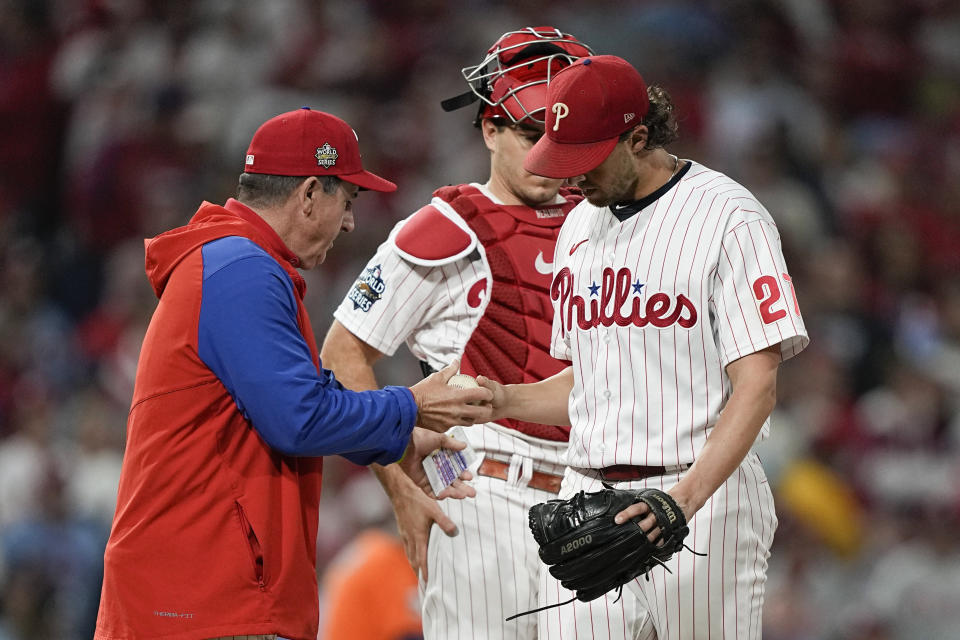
[{"x": 576, "y": 544}]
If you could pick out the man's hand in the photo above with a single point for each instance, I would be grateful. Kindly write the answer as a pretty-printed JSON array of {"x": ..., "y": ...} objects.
[
  {"x": 646, "y": 518},
  {"x": 440, "y": 406},
  {"x": 422, "y": 443},
  {"x": 544, "y": 402},
  {"x": 416, "y": 513},
  {"x": 498, "y": 403}
]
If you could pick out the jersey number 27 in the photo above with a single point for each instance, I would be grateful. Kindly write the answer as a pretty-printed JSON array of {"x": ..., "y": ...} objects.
[{"x": 767, "y": 291}]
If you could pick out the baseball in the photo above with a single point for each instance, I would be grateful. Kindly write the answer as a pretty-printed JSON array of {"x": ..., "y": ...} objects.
[{"x": 463, "y": 381}]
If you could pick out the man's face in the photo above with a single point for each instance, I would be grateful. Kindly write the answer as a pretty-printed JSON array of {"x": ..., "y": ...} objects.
[
  {"x": 330, "y": 214},
  {"x": 614, "y": 180},
  {"x": 509, "y": 145}
]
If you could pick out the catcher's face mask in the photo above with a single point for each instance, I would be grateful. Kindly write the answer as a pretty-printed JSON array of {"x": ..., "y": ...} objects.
[{"x": 511, "y": 80}]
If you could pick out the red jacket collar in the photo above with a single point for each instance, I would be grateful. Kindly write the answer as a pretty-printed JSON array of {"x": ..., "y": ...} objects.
[
  {"x": 211, "y": 222},
  {"x": 265, "y": 230}
]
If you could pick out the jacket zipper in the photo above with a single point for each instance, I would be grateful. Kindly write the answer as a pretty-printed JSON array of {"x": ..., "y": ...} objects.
[{"x": 253, "y": 543}]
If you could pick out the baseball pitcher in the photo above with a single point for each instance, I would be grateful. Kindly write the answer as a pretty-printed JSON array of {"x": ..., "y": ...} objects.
[{"x": 468, "y": 275}]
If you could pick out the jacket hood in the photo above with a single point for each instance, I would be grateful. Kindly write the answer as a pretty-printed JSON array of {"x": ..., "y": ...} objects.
[{"x": 165, "y": 251}]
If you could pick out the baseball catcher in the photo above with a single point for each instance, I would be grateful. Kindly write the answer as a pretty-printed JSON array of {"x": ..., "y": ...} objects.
[{"x": 591, "y": 554}]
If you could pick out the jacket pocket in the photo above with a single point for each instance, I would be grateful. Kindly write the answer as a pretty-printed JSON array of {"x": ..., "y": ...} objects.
[{"x": 253, "y": 545}]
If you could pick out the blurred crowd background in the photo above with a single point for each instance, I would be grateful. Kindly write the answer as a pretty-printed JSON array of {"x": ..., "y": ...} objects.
[{"x": 118, "y": 117}]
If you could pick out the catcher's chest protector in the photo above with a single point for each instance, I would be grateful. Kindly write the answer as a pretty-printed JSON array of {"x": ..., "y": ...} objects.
[{"x": 512, "y": 340}]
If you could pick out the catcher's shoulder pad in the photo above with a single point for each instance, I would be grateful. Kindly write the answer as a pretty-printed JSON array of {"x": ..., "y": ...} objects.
[{"x": 434, "y": 235}]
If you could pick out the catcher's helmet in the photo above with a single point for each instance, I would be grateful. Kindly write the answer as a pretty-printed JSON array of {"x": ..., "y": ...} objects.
[{"x": 511, "y": 80}]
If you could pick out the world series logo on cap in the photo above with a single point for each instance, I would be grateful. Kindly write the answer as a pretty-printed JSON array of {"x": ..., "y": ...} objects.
[{"x": 326, "y": 155}]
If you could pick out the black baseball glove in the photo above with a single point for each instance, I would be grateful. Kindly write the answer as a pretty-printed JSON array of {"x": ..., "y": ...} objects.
[{"x": 589, "y": 553}]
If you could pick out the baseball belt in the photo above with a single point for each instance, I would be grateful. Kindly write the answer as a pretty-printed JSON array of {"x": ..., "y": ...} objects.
[
  {"x": 539, "y": 480},
  {"x": 620, "y": 472}
]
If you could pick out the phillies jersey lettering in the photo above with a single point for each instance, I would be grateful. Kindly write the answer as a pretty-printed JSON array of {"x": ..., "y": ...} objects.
[
  {"x": 659, "y": 310},
  {"x": 652, "y": 309}
]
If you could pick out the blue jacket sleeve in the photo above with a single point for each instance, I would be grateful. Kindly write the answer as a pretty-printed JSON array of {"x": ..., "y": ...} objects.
[{"x": 248, "y": 336}]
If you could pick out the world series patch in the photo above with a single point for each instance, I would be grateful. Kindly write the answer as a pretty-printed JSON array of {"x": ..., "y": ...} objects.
[
  {"x": 368, "y": 289},
  {"x": 326, "y": 155}
]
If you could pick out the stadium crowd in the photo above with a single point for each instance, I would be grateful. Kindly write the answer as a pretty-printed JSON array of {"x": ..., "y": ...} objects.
[{"x": 843, "y": 116}]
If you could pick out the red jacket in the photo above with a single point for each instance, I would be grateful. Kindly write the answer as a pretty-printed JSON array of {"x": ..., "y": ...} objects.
[{"x": 215, "y": 531}]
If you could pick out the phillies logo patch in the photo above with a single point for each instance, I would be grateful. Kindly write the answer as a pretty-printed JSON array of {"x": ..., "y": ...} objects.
[
  {"x": 368, "y": 289},
  {"x": 613, "y": 303},
  {"x": 326, "y": 155},
  {"x": 562, "y": 111},
  {"x": 477, "y": 293}
]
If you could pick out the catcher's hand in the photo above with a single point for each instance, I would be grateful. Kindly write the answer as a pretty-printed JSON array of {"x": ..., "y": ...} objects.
[{"x": 589, "y": 553}]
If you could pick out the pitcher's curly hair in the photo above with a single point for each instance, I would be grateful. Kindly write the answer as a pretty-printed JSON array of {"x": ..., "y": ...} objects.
[{"x": 660, "y": 119}]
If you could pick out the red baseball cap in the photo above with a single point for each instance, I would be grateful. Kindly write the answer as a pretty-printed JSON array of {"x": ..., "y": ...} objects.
[
  {"x": 589, "y": 105},
  {"x": 310, "y": 143}
]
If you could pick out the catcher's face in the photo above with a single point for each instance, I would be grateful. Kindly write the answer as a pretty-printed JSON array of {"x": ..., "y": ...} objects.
[{"x": 509, "y": 145}]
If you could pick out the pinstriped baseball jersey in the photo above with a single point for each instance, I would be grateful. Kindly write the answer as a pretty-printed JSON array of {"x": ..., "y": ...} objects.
[
  {"x": 434, "y": 308},
  {"x": 653, "y": 308},
  {"x": 490, "y": 570},
  {"x": 413, "y": 306}
]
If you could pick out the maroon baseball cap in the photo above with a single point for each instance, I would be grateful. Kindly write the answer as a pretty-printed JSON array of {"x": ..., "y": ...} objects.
[
  {"x": 310, "y": 143},
  {"x": 589, "y": 105}
]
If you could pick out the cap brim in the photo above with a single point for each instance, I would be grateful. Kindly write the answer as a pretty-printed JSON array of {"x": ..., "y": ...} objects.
[
  {"x": 565, "y": 160},
  {"x": 367, "y": 180}
]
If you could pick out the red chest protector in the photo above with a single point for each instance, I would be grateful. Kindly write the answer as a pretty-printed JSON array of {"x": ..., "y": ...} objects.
[{"x": 512, "y": 341}]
